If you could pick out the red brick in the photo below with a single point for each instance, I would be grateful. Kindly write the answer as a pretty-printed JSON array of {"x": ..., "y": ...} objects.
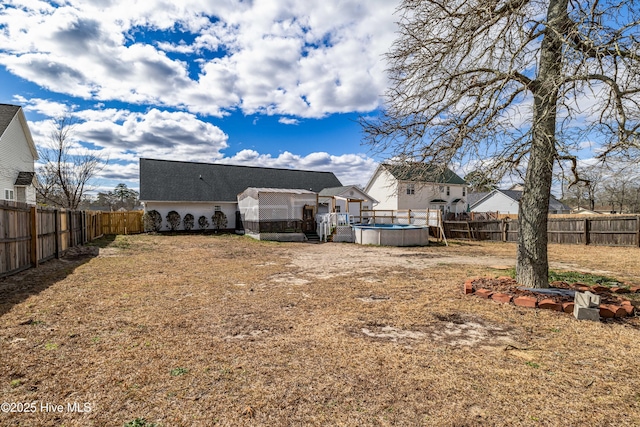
[
  {"x": 634, "y": 289},
  {"x": 620, "y": 311},
  {"x": 610, "y": 310},
  {"x": 468, "y": 287},
  {"x": 484, "y": 293},
  {"x": 503, "y": 298},
  {"x": 550, "y": 304},
  {"x": 567, "y": 307},
  {"x": 628, "y": 309},
  {"x": 525, "y": 302},
  {"x": 598, "y": 288},
  {"x": 505, "y": 279},
  {"x": 582, "y": 288},
  {"x": 625, "y": 302}
]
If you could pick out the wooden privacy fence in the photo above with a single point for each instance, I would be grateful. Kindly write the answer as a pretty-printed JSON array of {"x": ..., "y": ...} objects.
[
  {"x": 606, "y": 230},
  {"x": 30, "y": 235},
  {"x": 129, "y": 222}
]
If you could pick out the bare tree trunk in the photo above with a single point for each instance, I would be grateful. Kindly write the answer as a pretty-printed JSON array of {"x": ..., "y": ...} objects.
[{"x": 532, "y": 263}]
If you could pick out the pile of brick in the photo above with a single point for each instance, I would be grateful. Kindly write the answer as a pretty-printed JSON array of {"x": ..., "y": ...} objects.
[{"x": 623, "y": 308}]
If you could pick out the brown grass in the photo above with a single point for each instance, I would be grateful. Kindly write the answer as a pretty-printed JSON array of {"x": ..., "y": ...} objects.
[{"x": 296, "y": 334}]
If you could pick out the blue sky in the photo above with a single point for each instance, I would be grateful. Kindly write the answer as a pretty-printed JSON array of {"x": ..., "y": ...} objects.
[{"x": 267, "y": 82}]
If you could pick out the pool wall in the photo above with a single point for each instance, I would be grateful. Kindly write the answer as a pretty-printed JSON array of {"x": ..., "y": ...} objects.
[{"x": 391, "y": 236}]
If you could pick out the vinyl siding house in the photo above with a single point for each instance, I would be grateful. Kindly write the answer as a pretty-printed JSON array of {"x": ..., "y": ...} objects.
[
  {"x": 508, "y": 202},
  {"x": 17, "y": 156},
  {"x": 417, "y": 186},
  {"x": 201, "y": 189},
  {"x": 346, "y": 199}
]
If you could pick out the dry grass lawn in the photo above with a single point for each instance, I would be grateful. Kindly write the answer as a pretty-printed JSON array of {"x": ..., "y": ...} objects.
[{"x": 225, "y": 330}]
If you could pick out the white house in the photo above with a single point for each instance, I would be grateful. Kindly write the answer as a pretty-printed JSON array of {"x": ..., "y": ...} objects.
[
  {"x": 17, "y": 156},
  {"x": 417, "y": 186},
  {"x": 200, "y": 189},
  {"x": 508, "y": 201},
  {"x": 346, "y": 199}
]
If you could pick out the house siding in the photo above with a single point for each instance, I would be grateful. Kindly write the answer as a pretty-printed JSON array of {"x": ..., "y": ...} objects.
[
  {"x": 15, "y": 156},
  {"x": 497, "y": 202},
  {"x": 197, "y": 209},
  {"x": 384, "y": 188},
  {"x": 424, "y": 194},
  {"x": 392, "y": 195}
]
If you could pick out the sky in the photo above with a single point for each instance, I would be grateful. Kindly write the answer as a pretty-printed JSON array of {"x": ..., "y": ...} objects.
[{"x": 273, "y": 83}]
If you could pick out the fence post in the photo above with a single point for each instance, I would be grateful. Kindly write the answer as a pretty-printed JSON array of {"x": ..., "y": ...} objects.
[
  {"x": 586, "y": 231},
  {"x": 34, "y": 237},
  {"x": 638, "y": 230},
  {"x": 504, "y": 230},
  {"x": 56, "y": 220}
]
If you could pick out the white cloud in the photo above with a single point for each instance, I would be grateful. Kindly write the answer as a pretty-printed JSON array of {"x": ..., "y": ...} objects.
[
  {"x": 349, "y": 168},
  {"x": 294, "y": 57},
  {"x": 288, "y": 121}
]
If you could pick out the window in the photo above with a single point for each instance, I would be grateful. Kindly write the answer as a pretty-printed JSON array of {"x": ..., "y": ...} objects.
[
  {"x": 337, "y": 208},
  {"x": 217, "y": 208},
  {"x": 8, "y": 194},
  {"x": 411, "y": 189},
  {"x": 448, "y": 190},
  {"x": 464, "y": 191},
  {"x": 442, "y": 188},
  {"x": 21, "y": 194}
]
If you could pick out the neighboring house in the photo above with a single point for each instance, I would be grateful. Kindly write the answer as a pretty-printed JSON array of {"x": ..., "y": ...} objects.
[
  {"x": 578, "y": 210},
  {"x": 200, "y": 189},
  {"x": 507, "y": 202},
  {"x": 417, "y": 186},
  {"x": 17, "y": 156},
  {"x": 346, "y": 199}
]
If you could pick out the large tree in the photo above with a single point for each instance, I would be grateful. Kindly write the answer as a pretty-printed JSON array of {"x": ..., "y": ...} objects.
[
  {"x": 67, "y": 168},
  {"x": 518, "y": 83}
]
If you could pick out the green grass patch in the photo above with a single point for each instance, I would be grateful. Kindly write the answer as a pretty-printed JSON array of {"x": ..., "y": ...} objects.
[
  {"x": 576, "y": 277},
  {"x": 178, "y": 371},
  {"x": 139, "y": 422}
]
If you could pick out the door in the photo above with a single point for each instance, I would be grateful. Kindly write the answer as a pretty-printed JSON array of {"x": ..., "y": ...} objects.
[{"x": 308, "y": 220}]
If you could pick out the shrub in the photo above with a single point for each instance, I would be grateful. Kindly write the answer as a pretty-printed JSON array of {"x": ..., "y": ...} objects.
[
  {"x": 187, "y": 222},
  {"x": 203, "y": 222},
  {"x": 152, "y": 221},
  {"x": 219, "y": 220},
  {"x": 173, "y": 219}
]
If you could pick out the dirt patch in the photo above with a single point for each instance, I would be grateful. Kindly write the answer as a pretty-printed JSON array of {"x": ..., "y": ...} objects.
[
  {"x": 452, "y": 330},
  {"x": 457, "y": 330}
]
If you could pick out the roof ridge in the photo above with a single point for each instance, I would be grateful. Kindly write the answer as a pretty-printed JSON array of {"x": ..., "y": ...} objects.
[{"x": 238, "y": 166}]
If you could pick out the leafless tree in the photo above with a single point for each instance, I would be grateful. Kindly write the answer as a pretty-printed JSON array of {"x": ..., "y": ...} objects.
[
  {"x": 518, "y": 83},
  {"x": 587, "y": 188},
  {"x": 67, "y": 168}
]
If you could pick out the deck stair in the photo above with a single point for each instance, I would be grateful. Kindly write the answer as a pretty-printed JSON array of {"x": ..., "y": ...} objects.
[{"x": 312, "y": 237}]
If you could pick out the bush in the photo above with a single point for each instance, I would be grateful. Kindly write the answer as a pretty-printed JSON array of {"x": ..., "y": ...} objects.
[
  {"x": 173, "y": 218},
  {"x": 219, "y": 220},
  {"x": 187, "y": 222},
  {"x": 152, "y": 221},
  {"x": 203, "y": 222}
]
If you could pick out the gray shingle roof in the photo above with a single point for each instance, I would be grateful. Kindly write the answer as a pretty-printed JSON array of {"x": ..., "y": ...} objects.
[
  {"x": 7, "y": 113},
  {"x": 334, "y": 191},
  {"x": 422, "y": 172},
  {"x": 166, "y": 180}
]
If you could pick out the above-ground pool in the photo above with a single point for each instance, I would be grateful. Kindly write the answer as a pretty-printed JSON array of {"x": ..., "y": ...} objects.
[{"x": 391, "y": 235}]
